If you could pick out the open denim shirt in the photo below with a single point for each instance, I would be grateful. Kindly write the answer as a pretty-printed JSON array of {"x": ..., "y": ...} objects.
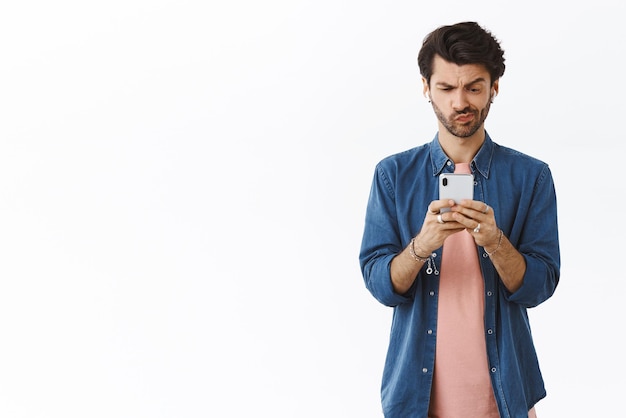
[{"x": 520, "y": 190}]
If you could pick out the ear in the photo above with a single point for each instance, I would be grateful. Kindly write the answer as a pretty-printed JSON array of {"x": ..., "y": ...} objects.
[
  {"x": 495, "y": 88},
  {"x": 425, "y": 90}
]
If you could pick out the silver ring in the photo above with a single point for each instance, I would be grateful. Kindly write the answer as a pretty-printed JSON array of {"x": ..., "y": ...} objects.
[
  {"x": 477, "y": 229},
  {"x": 440, "y": 219}
]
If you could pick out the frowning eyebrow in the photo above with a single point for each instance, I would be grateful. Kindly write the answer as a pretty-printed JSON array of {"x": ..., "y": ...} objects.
[{"x": 446, "y": 85}]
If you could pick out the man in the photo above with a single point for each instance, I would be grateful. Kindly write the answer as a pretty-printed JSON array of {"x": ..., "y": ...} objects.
[{"x": 460, "y": 281}]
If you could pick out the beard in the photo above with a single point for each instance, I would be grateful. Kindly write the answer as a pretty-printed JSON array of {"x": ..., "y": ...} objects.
[{"x": 463, "y": 130}]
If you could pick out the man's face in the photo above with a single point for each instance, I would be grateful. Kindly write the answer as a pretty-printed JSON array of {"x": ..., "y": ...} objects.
[{"x": 460, "y": 95}]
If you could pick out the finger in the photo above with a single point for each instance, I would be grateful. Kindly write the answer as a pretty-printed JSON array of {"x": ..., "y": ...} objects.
[
  {"x": 474, "y": 209},
  {"x": 436, "y": 205},
  {"x": 450, "y": 221},
  {"x": 476, "y": 205}
]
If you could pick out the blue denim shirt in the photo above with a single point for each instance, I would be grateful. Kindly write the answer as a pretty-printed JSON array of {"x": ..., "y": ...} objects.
[{"x": 520, "y": 190}]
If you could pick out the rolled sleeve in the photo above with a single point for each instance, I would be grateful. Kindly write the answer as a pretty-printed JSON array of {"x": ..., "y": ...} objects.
[
  {"x": 378, "y": 281},
  {"x": 540, "y": 281}
]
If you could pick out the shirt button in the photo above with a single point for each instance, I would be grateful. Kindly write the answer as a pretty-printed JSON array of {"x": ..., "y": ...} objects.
[
  {"x": 489, "y": 331},
  {"x": 424, "y": 370},
  {"x": 493, "y": 370},
  {"x": 431, "y": 293},
  {"x": 489, "y": 293},
  {"x": 475, "y": 183},
  {"x": 430, "y": 331}
]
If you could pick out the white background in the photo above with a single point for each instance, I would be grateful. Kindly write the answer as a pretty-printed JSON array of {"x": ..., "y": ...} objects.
[{"x": 183, "y": 186}]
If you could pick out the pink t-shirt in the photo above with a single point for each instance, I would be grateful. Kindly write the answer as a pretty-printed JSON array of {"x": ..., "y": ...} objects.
[{"x": 461, "y": 383}]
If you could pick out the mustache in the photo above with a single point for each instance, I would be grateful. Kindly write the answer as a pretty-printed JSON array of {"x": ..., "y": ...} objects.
[{"x": 464, "y": 111}]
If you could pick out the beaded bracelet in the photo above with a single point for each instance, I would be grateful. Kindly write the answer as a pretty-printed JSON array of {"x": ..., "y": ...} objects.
[
  {"x": 414, "y": 254},
  {"x": 498, "y": 246}
]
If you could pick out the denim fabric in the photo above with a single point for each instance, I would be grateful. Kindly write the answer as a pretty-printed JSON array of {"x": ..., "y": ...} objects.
[{"x": 520, "y": 190}]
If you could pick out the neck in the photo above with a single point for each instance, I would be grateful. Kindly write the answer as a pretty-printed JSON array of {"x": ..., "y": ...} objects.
[{"x": 461, "y": 150}]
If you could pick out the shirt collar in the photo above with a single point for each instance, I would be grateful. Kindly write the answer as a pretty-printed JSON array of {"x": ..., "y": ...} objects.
[{"x": 481, "y": 162}]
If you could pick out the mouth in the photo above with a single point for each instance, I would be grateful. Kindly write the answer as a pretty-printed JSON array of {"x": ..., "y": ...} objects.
[{"x": 464, "y": 118}]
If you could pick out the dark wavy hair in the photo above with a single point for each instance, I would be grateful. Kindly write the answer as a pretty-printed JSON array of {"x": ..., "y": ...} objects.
[{"x": 462, "y": 43}]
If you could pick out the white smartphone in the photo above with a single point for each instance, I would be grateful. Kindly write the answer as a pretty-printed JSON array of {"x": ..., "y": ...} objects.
[{"x": 456, "y": 187}]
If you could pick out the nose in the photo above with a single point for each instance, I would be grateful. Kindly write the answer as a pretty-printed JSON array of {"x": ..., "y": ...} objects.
[{"x": 459, "y": 100}]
